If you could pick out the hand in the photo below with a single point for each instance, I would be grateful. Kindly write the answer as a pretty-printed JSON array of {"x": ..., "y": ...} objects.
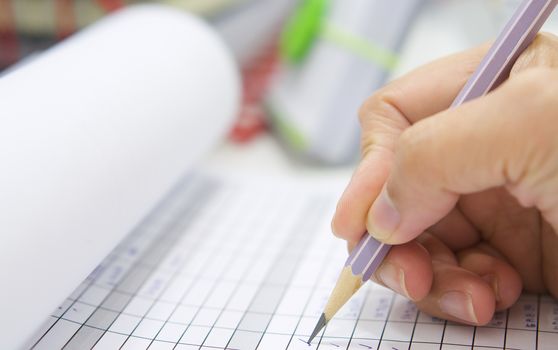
[{"x": 469, "y": 196}]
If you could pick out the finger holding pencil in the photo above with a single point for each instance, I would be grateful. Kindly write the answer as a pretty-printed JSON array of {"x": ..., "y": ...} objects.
[{"x": 368, "y": 255}]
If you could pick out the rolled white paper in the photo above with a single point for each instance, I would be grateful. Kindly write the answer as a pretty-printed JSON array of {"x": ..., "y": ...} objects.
[{"x": 92, "y": 134}]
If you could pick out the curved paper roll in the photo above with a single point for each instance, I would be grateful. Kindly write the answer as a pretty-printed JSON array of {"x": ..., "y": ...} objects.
[{"x": 92, "y": 134}]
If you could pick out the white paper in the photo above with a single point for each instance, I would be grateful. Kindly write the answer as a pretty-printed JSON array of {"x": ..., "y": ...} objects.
[
  {"x": 92, "y": 134},
  {"x": 249, "y": 264}
]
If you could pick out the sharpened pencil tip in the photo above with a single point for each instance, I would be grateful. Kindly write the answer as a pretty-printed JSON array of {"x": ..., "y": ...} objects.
[{"x": 319, "y": 326}]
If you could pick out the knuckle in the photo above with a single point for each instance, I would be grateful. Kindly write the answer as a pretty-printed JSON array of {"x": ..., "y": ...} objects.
[
  {"x": 413, "y": 151},
  {"x": 405, "y": 152},
  {"x": 381, "y": 121},
  {"x": 531, "y": 161},
  {"x": 548, "y": 89},
  {"x": 542, "y": 52},
  {"x": 544, "y": 41},
  {"x": 379, "y": 105},
  {"x": 537, "y": 87},
  {"x": 407, "y": 146},
  {"x": 547, "y": 36},
  {"x": 374, "y": 143},
  {"x": 533, "y": 84},
  {"x": 364, "y": 110},
  {"x": 371, "y": 104}
]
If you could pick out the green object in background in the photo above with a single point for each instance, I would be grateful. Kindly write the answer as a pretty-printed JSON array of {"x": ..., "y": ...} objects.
[
  {"x": 309, "y": 22},
  {"x": 290, "y": 132},
  {"x": 334, "y": 54},
  {"x": 302, "y": 29},
  {"x": 360, "y": 46}
]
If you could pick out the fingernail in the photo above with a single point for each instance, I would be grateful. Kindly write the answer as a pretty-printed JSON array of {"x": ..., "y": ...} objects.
[
  {"x": 458, "y": 305},
  {"x": 393, "y": 277},
  {"x": 493, "y": 283},
  {"x": 384, "y": 217}
]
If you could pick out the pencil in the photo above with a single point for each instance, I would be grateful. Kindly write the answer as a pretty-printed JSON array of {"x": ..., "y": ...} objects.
[{"x": 495, "y": 67}]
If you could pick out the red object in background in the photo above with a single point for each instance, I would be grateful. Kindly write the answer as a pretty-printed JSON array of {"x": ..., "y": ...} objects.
[
  {"x": 65, "y": 15},
  {"x": 65, "y": 18},
  {"x": 252, "y": 119},
  {"x": 65, "y": 24},
  {"x": 9, "y": 44},
  {"x": 110, "y": 5}
]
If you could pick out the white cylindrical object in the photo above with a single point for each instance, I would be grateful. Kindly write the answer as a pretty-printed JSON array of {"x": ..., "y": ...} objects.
[{"x": 92, "y": 134}]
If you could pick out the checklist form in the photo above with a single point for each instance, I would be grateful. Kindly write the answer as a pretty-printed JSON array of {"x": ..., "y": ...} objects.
[{"x": 249, "y": 264}]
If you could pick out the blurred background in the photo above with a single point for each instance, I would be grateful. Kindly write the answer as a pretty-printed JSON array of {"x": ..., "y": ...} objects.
[{"x": 307, "y": 65}]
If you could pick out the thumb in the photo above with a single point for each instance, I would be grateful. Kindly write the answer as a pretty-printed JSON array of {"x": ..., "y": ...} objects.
[{"x": 507, "y": 138}]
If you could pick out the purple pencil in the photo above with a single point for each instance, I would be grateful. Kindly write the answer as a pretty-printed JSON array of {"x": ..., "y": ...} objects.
[{"x": 518, "y": 33}]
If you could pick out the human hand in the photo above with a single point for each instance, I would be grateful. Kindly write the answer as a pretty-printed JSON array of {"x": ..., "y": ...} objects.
[{"x": 469, "y": 196}]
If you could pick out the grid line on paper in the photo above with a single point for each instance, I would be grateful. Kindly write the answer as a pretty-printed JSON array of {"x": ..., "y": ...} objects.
[
  {"x": 321, "y": 337},
  {"x": 474, "y": 335},
  {"x": 443, "y": 334},
  {"x": 208, "y": 225},
  {"x": 250, "y": 268},
  {"x": 234, "y": 291},
  {"x": 174, "y": 227},
  {"x": 413, "y": 331},
  {"x": 216, "y": 347},
  {"x": 302, "y": 223},
  {"x": 506, "y": 329},
  {"x": 358, "y": 317},
  {"x": 202, "y": 306},
  {"x": 90, "y": 281},
  {"x": 314, "y": 287},
  {"x": 147, "y": 221},
  {"x": 305, "y": 242},
  {"x": 261, "y": 241},
  {"x": 538, "y": 321},
  {"x": 290, "y": 334},
  {"x": 219, "y": 317},
  {"x": 387, "y": 320},
  {"x": 167, "y": 229},
  {"x": 238, "y": 310},
  {"x": 88, "y": 284},
  {"x": 143, "y": 317}
]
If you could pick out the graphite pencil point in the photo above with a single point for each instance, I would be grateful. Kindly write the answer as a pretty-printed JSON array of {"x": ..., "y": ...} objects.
[{"x": 319, "y": 326}]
